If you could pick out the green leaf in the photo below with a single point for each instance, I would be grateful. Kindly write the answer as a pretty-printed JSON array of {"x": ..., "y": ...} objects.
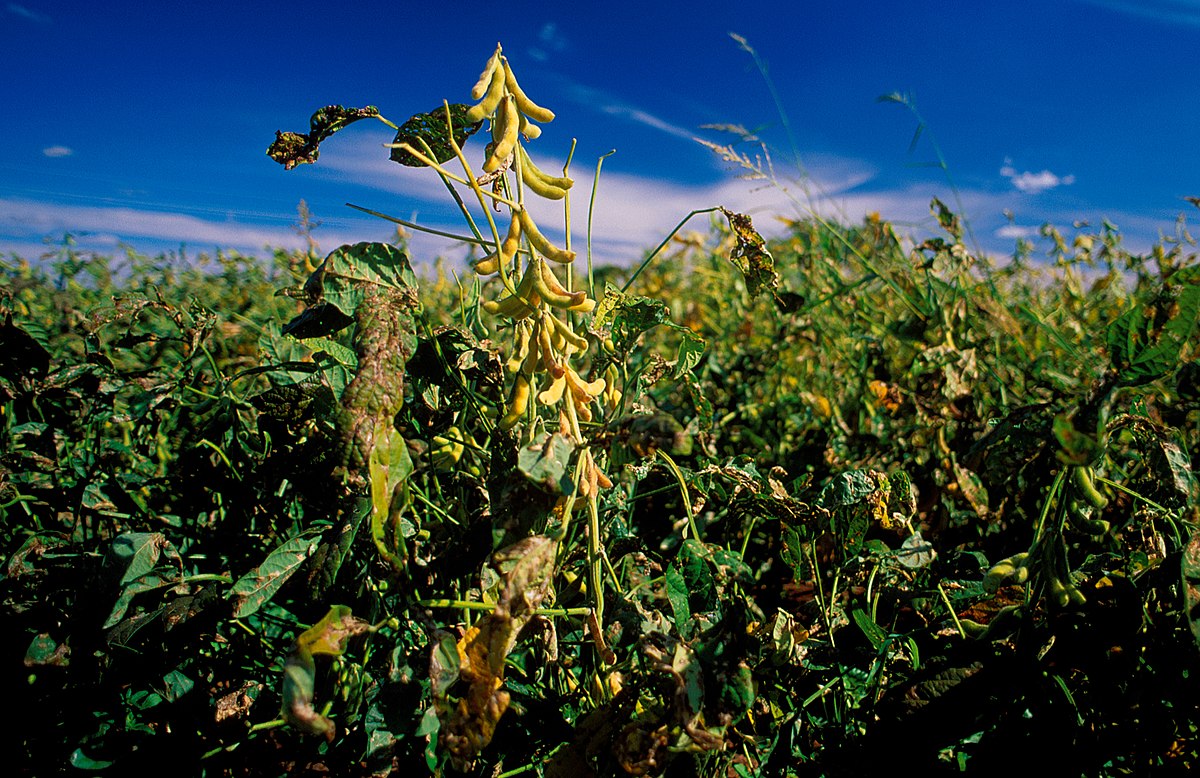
[
  {"x": 341, "y": 282},
  {"x": 82, "y": 761},
  {"x": 430, "y": 723},
  {"x": 175, "y": 685},
  {"x": 546, "y": 460},
  {"x": 738, "y": 692},
  {"x": 291, "y": 149},
  {"x": 21, "y": 357},
  {"x": 698, "y": 577},
  {"x": 1146, "y": 342},
  {"x": 138, "y": 553},
  {"x": 132, "y": 589},
  {"x": 848, "y": 488},
  {"x": 677, "y": 595},
  {"x": 691, "y": 350},
  {"x": 443, "y": 670},
  {"x": 257, "y": 587},
  {"x": 874, "y": 633},
  {"x": 389, "y": 466},
  {"x": 915, "y": 552},
  {"x": 44, "y": 651},
  {"x": 432, "y": 129}
]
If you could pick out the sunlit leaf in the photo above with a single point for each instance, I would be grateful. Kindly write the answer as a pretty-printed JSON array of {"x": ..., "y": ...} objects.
[
  {"x": 691, "y": 351},
  {"x": 750, "y": 255},
  {"x": 389, "y": 466},
  {"x": 138, "y": 553},
  {"x": 546, "y": 460},
  {"x": 341, "y": 282},
  {"x": 432, "y": 129},
  {"x": 915, "y": 552},
  {"x": 257, "y": 587},
  {"x": 1146, "y": 341},
  {"x": 291, "y": 148},
  {"x": 327, "y": 637}
]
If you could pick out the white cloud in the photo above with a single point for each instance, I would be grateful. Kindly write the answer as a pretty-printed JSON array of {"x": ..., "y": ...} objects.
[
  {"x": 599, "y": 100},
  {"x": 24, "y": 220},
  {"x": 58, "y": 151},
  {"x": 28, "y": 14},
  {"x": 550, "y": 41},
  {"x": 1015, "y": 231},
  {"x": 1034, "y": 183}
]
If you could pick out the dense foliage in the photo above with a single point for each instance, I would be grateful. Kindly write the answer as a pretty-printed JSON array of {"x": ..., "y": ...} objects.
[{"x": 814, "y": 506}]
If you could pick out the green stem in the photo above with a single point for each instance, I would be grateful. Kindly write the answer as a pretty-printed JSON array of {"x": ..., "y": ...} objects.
[
  {"x": 591, "y": 212},
  {"x": 660, "y": 247},
  {"x": 687, "y": 500},
  {"x": 1131, "y": 493}
]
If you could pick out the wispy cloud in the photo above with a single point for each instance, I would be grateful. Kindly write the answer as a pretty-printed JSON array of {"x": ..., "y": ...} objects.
[
  {"x": 24, "y": 220},
  {"x": 1034, "y": 183},
  {"x": 58, "y": 151},
  {"x": 1016, "y": 231},
  {"x": 602, "y": 101},
  {"x": 550, "y": 41},
  {"x": 1179, "y": 12},
  {"x": 27, "y": 14}
]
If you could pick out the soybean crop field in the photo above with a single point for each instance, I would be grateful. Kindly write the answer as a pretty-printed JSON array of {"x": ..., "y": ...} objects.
[{"x": 831, "y": 503}]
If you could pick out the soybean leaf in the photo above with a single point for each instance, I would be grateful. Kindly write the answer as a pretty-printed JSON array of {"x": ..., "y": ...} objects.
[
  {"x": 1146, "y": 341},
  {"x": 431, "y": 128},
  {"x": 82, "y": 761},
  {"x": 697, "y": 575},
  {"x": 545, "y": 462},
  {"x": 389, "y": 466},
  {"x": 916, "y": 552},
  {"x": 848, "y": 488},
  {"x": 138, "y": 553},
  {"x": 36, "y": 545},
  {"x": 291, "y": 149},
  {"x": 677, "y": 595},
  {"x": 175, "y": 685},
  {"x": 46, "y": 651},
  {"x": 750, "y": 254},
  {"x": 327, "y": 637},
  {"x": 341, "y": 282},
  {"x": 443, "y": 667},
  {"x": 691, "y": 350},
  {"x": 257, "y": 587},
  {"x": 145, "y": 583}
]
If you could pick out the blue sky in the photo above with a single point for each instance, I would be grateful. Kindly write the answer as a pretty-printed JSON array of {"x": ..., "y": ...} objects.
[{"x": 146, "y": 124}]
